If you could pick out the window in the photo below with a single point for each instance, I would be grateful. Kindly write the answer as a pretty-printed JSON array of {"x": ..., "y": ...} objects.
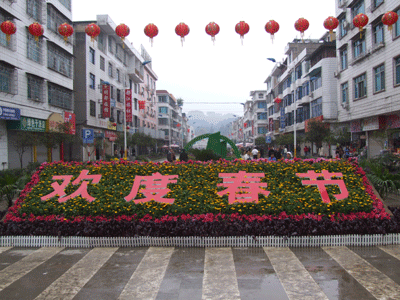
[
  {"x": 136, "y": 104},
  {"x": 54, "y": 18},
  {"x": 271, "y": 111},
  {"x": 119, "y": 95},
  {"x": 377, "y": 31},
  {"x": 34, "y": 9},
  {"x": 66, "y": 3},
  {"x": 316, "y": 108},
  {"x": 299, "y": 93},
  {"x": 7, "y": 78},
  {"x": 102, "y": 63},
  {"x": 92, "y": 55},
  {"x": 262, "y": 130},
  {"x": 120, "y": 119},
  {"x": 101, "y": 42},
  {"x": 397, "y": 70},
  {"x": 397, "y": 25},
  {"x": 118, "y": 76},
  {"x": 306, "y": 88},
  {"x": 92, "y": 108},
  {"x": 343, "y": 58},
  {"x": 342, "y": 26},
  {"x": 59, "y": 96},
  {"x": 110, "y": 70},
  {"x": 316, "y": 83},
  {"x": 92, "y": 81},
  {"x": 262, "y": 116},
  {"x": 35, "y": 88},
  {"x": 299, "y": 115},
  {"x": 34, "y": 48},
  {"x": 379, "y": 78},
  {"x": 298, "y": 72},
  {"x": 111, "y": 44},
  {"x": 261, "y": 104},
  {"x": 163, "y": 110},
  {"x": 112, "y": 92},
  {"x": 4, "y": 16},
  {"x": 376, "y": 3},
  {"x": 358, "y": 8},
  {"x": 162, "y": 99},
  {"x": 119, "y": 52},
  {"x": 360, "y": 86},
  {"x": 359, "y": 46},
  {"x": 345, "y": 92},
  {"x": 59, "y": 60},
  {"x": 260, "y": 95}
]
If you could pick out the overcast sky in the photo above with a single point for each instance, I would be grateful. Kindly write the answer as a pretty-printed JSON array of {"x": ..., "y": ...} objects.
[{"x": 200, "y": 71}]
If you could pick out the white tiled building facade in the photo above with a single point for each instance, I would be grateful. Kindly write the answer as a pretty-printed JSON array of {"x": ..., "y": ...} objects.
[
  {"x": 36, "y": 77},
  {"x": 368, "y": 73}
]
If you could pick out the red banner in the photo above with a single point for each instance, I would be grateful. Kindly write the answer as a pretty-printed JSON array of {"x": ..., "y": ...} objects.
[
  {"x": 106, "y": 101},
  {"x": 271, "y": 125},
  {"x": 70, "y": 118},
  {"x": 128, "y": 105}
]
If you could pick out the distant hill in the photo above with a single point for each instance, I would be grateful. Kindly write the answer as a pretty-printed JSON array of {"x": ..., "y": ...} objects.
[{"x": 210, "y": 122}]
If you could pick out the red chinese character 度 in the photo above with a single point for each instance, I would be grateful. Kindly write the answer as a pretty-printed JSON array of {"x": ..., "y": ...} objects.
[
  {"x": 344, "y": 193},
  {"x": 59, "y": 189},
  {"x": 156, "y": 188},
  {"x": 247, "y": 185}
]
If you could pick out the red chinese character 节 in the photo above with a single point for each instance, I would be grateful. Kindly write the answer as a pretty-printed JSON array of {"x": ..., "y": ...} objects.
[
  {"x": 156, "y": 188},
  {"x": 344, "y": 193},
  {"x": 59, "y": 189},
  {"x": 247, "y": 185}
]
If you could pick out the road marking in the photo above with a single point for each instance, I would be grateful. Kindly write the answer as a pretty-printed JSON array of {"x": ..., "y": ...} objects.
[
  {"x": 146, "y": 280},
  {"x": 393, "y": 250},
  {"x": 219, "y": 281},
  {"x": 25, "y": 265},
  {"x": 72, "y": 281},
  {"x": 3, "y": 249},
  {"x": 377, "y": 283},
  {"x": 293, "y": 276}
]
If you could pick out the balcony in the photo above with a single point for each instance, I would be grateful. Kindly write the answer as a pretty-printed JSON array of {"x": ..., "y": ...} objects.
[{"x": 135, "y": 75}]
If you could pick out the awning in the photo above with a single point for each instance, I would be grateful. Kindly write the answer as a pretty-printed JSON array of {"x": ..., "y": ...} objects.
[{"x": 314, "y": 72}]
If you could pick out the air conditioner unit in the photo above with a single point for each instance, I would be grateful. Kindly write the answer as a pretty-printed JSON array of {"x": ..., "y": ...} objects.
[
  {"x": 312, "y": 95},
  {"x": 346, "y": 24},
  {"x": 345, "y": 105},
  {"x": 336, "y": 74}
]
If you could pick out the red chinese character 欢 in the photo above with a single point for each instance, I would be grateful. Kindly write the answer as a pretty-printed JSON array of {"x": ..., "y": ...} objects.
[
  {"x": 156, "y": 188},
  {"x": 344, "y": 193},
  {"x": 59, "y": 189},
  {"x": 247, "y": 185}
]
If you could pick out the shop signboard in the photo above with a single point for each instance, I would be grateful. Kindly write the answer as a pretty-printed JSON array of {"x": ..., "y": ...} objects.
[
  {"x": 9, "y": 113},
  {"x": 369, "y": 124},
  {"x": 70, "y": 119},
  {"x": 27, "y": 124},
  {"x": 128, "y": 105}
]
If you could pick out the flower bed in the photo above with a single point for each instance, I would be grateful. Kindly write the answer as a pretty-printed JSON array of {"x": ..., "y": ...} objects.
[{"x": 290, "y": 208}]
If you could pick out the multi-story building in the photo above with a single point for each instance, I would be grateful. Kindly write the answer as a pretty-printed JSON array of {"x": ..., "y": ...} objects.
[
  {"x": 36, "y": 77},
  {"x": 368, "y": 73},
  {"x": 260, "y": 115},
  {"x": 169, "y": 118},
  {"x": 303, "y": 87},
  {"x": 108, "y": 60}
]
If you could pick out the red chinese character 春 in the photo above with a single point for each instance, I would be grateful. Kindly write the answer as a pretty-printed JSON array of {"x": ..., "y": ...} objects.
[
  {"x": 242, "y": 186},
  {"x": 344, "y": 193},
  {"x": 59, "y": 189},
  {"x": 156, "y": 188}
]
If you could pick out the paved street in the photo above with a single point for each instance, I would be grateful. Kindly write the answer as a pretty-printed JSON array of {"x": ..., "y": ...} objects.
[{"x": 198, "y": 273}]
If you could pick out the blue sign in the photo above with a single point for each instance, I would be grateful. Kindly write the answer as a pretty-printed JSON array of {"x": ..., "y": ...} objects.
[
  {"x": 268, "y": 139},
  {"x": 88, "y": 136},
  {"x": 113, "y": 103},
  {"x": 8, "y": 113},
  {"x": 283, "y": 119}
]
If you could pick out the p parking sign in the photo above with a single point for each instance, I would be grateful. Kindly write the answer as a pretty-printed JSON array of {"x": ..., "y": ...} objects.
[{"x": 88, "y": 136}]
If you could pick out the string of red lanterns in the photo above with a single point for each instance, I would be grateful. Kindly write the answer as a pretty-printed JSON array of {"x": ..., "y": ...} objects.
[
  {"x": 65, "y": 30},
  {"x": 151, "y": 31},
  {"x": 389, "y": 19},
  {"x": 272, "y": 27},
  {"x": 182, "y": 30},
  {"x": 301, "y": 25},
  {"x": 212, "y": 29},
  {"x": 242, "y": 28},
  {"x": 360, "y": 21},
  {"x": 92, "y": 30},
  {"x": 330, "y": 24},
  {"x": 122, "y": 31},
  {"x": 8, "y": 28}
]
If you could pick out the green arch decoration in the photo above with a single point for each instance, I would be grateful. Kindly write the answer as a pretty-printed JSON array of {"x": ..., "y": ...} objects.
[{"x": 217, "y": 136}]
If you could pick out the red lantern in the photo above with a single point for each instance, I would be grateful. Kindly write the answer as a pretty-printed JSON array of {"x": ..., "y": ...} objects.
[
  {"x": 272, "y": 27},
  {"x": 331, "y": 23},
  {"x": 278, "y": 100},
  {"x": 151, "y": 31},
  {"x": 212, "y": 29},
  {"x": 142, "y": 104},
  {"x": 242, "y": 28},
  {"x": 245, "y": 125},
  {"x": 114, "y": 124},
  {"x": 188, "y": 130},
  {"x": 301, "y": 25},
  {"x": 127, "y": 127},
  {"x": 92, "y": 30},
  {"x": 360, "y": 21},
  {"x": 36, "y": 30},
  {"x": 8, "y": 28},
  {"x": 389, "y": 19},
  {"x": 65, "y": 30},
  {"x": 178, "y": 125},
  {"x": 182, "y": 30},
  {"x": 240, "y": 129},
  {"x": 122, "y": 31}
]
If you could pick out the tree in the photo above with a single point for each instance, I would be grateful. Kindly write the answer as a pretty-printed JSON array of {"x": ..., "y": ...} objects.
[
  {"x": 260, "y": 141},
  {"x": 24, "y": 141},
  {"x": 179, "y": 101},
  {"x": 317, "y": 132}
]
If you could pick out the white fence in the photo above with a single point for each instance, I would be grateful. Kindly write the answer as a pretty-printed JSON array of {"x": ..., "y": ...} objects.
[{"x": 194, "y": 241}]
